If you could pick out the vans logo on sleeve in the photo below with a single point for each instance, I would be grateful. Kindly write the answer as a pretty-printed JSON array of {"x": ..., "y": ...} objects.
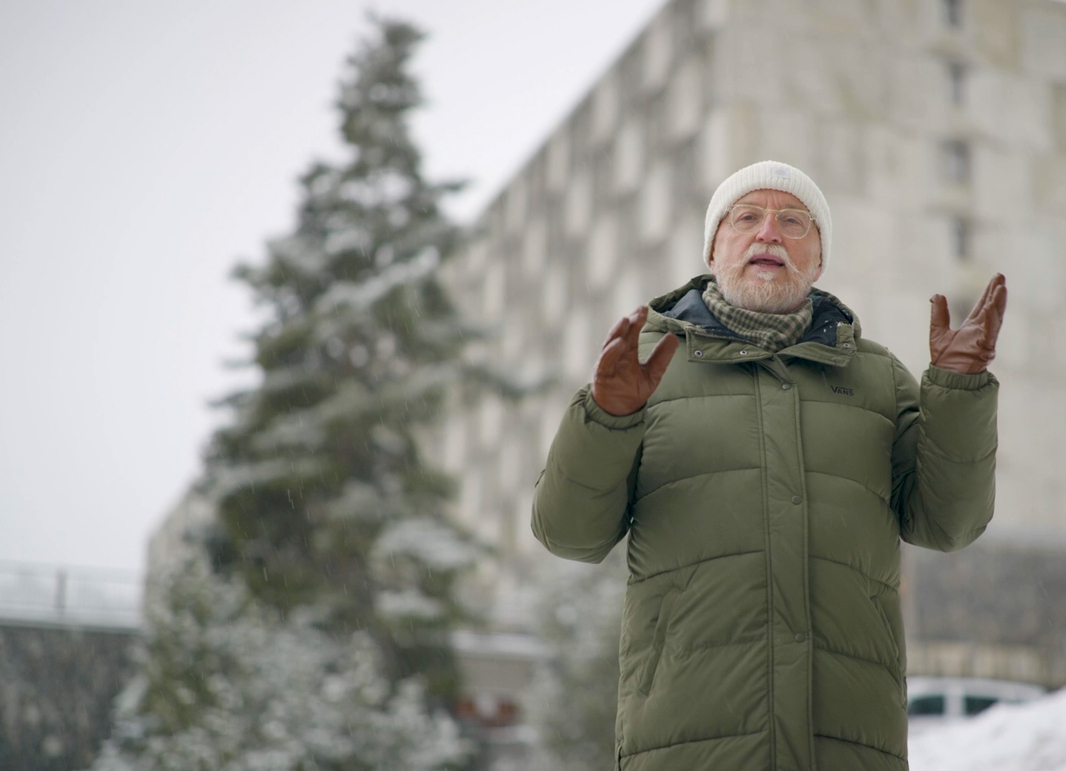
[{"x": 843, "y": 391}]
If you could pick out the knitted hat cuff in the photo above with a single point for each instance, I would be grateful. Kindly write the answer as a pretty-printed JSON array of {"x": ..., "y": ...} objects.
[{"x": 768, "y": 175}]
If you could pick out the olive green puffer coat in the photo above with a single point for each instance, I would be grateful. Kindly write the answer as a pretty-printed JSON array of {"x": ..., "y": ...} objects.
[{"x": 765, "y": 497}]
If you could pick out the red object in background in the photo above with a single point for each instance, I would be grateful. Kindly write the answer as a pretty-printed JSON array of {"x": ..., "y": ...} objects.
[{"x": 486, "y": 711}]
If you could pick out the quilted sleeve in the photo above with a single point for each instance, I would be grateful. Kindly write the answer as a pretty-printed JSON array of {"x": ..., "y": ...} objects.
[
  {"x": 581, "y": 501},
  {"x": 944, "y": 456}
]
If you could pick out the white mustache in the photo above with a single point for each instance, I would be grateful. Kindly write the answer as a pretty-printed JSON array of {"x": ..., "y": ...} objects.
[{"x": 775, "y": 249}]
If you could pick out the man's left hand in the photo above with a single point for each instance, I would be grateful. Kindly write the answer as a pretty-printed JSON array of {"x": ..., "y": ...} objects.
[{"x": 972, "y": 346}]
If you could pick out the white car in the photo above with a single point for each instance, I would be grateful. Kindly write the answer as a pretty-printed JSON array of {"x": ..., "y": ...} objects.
[{"x": 935, "y": 700}]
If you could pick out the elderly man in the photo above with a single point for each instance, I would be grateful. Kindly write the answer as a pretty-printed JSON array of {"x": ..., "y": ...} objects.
[{"x": 765, "y": 474}]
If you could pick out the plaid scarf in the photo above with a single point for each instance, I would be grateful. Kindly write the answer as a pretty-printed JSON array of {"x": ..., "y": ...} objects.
[{"x": 770, "y": 331}]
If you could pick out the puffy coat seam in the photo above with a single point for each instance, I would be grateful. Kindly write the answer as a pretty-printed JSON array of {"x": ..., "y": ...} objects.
[
  {"x": 898, "y": 671},
  {"x": 551, "y": 542},
  {"x": 881, "y": 415},
  {"x": 662, "y": 626},
  {"x": 582, "y": 485},
  {"x": 768, "y": 567},
  {"x": 894, "y": 589},
  {"x": 594, "y": 413},
  {"x": 684, "y": 398},
  {"x": 689, "y": 650},
  {"x": 695, "y": 741},
  {"x": 895, "y": 397},
  {"x": 633, "y": 581},
  {"x": 862, "y": 744},
  {"x": 878, "y": 354},
  {"x": 883, "y": 665},
  {"x": 946, "y": 542},
  {"x": 800, "y": 454},
  {"x": 879, "y": 496},
  {"x": 950, "y": 380},
  {"x": 695, "y": 476},
  {"x": 934, "y": 449}
]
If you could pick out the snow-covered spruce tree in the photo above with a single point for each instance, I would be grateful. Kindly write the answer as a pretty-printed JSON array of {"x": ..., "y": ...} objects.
[
  {"x": 323, "y": 497},
  {"x": 330, "y": 551}
]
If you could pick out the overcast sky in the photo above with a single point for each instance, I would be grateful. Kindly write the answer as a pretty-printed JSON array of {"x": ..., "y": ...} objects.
[{"x": 147, "y": 147}]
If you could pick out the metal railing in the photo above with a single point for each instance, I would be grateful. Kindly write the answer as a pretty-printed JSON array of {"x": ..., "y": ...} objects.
[{"x": 70, "y": 596}]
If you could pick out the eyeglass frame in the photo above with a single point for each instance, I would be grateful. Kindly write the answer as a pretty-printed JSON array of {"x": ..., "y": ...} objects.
[{"x": 766, "y": 211}]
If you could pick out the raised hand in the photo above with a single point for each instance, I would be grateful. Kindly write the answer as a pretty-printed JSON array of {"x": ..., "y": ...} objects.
[
  {"x": 621, "y": 384},
  {"x": 972, "y": 346}
]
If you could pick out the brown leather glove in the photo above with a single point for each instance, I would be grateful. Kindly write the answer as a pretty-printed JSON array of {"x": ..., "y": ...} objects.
[
  {"x": 972, "y": 346},
  {"x": 621, "y": 385}
]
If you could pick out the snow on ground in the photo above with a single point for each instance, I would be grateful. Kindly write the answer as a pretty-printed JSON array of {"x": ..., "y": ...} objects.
[{"x": 1007, "y": 737}]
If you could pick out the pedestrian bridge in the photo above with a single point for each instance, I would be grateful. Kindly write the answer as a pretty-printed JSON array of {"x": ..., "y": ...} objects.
[{"x": 83, "y": 597}]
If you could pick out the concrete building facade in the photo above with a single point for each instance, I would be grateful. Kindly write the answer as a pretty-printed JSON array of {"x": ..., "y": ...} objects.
[{"x": 937, "y": 131}]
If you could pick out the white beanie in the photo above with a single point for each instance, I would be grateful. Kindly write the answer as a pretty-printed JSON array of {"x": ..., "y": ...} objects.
[{"x": 768, "y": 175}]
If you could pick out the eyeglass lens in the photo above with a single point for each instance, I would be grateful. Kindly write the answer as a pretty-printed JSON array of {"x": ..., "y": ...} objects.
[{"x": 792, "y": 222}]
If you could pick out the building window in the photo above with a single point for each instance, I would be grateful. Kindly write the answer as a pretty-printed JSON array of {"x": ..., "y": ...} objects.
[
  {"x": 953, "y": 12},
  {"x": 957, "y": 75},
  {"x": 961, "y": 236},
  {"x": 956, "y": 161},
  {"x": 926, "y": 705},
  {"x": 974, "y": 705}
]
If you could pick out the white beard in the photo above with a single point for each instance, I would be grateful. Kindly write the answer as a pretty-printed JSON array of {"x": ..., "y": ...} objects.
[{"x": 766, "y": 291}]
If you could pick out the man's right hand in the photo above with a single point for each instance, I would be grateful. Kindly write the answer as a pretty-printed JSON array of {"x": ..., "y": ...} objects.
[{"x": 621, "y": 385}]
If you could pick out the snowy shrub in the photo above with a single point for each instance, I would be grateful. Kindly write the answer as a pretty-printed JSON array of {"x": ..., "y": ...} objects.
[{"x": 227, "y": 684}]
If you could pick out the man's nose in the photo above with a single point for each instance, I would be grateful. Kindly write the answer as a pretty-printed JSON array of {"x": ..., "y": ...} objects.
[{"x": 769, "y": 232}]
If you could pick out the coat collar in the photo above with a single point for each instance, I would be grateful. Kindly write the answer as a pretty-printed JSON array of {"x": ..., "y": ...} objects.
[{"x": 832, "y": 338}]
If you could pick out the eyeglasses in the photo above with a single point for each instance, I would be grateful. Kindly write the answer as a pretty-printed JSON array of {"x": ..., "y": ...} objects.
[{"x": 793, "y": 223}]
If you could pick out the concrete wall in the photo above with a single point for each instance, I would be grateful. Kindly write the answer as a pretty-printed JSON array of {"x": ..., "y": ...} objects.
[
  {"x": 57, "y": 685},
  {"x": 993, "y": 610}
]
